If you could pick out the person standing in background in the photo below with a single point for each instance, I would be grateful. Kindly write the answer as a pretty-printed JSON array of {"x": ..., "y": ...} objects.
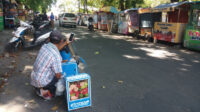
[
  {"x": 52, "y": 20},
  {"x": 109, "y": 22}
]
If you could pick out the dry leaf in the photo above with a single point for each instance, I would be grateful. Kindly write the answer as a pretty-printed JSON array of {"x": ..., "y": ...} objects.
[
  {"x": 54, "y": 108},
  {"x": 103, "y": 87},
  {"x": 120, "y": 81},
  {"x": 13, "y": 62},
  {"x": 26, "y": 84},
  {"x": 31, "y": 101},
  {"x": 13, "y": 55},
  {"x": 96, "y": 53},
  {"x": 5, "y": 75},
  {"x": 6, "y": 55}
]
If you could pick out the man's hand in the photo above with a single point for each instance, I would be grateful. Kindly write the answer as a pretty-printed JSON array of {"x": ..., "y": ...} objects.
[
  {"x": 58, "y": 75},
  {"x": 66, "y": 41}
]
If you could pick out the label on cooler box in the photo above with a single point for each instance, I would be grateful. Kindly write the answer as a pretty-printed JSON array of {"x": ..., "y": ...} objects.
[{"x": 78, "y": 90}]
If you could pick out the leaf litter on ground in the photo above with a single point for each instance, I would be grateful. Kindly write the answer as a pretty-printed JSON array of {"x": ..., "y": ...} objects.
[
  {"x": 54, "y": 108},
  {"x": 120, "y": 81},
  {"x": 97, "y": 53}
]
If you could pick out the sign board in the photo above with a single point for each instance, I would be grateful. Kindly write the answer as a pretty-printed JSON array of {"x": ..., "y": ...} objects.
[
  {"x": 192, "y": 39},
  {"x": 171, "y": 32},
  {"x": 78, "y": 90}
]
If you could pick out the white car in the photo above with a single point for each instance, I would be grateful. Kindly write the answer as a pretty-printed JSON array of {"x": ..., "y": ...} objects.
[{"x": 67, "y": 19}]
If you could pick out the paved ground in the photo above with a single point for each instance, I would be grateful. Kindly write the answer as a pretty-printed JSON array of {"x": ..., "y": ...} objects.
[{"x": 137, "y": 76}]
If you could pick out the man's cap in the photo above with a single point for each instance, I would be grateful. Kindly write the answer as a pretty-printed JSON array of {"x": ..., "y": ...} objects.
[{"x": 56, "y": 35}]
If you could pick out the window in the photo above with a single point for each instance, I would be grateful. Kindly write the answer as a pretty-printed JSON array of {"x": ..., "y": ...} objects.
[{"x": 69, "y": 15}]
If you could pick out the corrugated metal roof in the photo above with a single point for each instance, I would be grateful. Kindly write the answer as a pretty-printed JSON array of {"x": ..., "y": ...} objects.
[{"x": 169, "y": 5}]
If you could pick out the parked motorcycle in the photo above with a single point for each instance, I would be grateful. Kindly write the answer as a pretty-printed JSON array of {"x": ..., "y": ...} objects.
[
  {"x": 27, "y": 36},
  {"x": 90, "y": 24}
]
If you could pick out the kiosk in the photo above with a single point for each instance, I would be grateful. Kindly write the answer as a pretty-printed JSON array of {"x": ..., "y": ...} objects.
[
  {"x": 173, "y": 24},
  {"x": 192, "y": 32}
]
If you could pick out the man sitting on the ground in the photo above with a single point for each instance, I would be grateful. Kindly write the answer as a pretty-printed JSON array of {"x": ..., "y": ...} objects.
[{"x": 47, "y": 67}]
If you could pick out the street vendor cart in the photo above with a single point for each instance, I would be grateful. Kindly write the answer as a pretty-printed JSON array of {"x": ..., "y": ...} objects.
[
  {"x": 114, "y": 27},
  {"x": 129, "y": 21},
  {"x": 146, "y": 23},
  {"x": 192, "y": 32},
  {"x": 174, "y": 20},
  {"x": 122, "y": 24},
  {"x": 1, "y": 16},
  {"x": 106, "y": 16}
]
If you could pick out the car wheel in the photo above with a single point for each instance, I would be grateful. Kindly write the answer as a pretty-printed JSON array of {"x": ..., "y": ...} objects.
[{"x": 74, "y": 26}]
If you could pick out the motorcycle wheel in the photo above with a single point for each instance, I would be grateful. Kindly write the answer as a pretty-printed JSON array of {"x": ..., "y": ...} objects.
[{"x": 11, "y": 47}]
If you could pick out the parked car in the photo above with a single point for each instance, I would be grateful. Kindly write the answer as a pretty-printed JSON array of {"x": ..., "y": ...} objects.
[{"x": 67, "y": 19}]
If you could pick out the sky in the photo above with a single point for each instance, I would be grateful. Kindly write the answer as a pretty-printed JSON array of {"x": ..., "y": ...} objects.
[{"x": 69, "y": 5}]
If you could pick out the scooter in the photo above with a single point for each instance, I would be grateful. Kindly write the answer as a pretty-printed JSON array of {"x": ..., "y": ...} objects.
[
  {"x": 27, "y": 36},
  {"x": 90, "y": 26}
]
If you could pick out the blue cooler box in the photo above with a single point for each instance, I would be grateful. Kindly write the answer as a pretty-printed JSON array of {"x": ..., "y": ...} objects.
[{"x": 70, "y": 69}]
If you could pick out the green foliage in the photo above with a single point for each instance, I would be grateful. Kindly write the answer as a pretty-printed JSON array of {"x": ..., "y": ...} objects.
[
  {"x": 38, "y": 5},
  {"x": 120, "y": 4},
  {"x": 153, "y": 3}
]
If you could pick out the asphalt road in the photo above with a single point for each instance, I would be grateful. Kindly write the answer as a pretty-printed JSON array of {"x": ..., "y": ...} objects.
[{"x": 128, "y": 75}]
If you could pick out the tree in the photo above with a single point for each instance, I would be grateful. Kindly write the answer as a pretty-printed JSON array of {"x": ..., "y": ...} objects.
[
  {"x": 121, "y": 5},
  {"x": 38, "y": 5},
  {"x": 126, "y": 4}
]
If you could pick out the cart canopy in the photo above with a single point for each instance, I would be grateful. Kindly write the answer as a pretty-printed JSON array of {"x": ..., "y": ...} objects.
[
  {"x": 168, "y": 6},
  {"x": 144, "y": 10},
  {"x": 109, "y": 9},
  {"x": 132, "y": 9}
]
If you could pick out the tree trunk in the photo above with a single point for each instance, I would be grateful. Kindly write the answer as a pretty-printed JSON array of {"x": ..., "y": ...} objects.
[
  {"x": 126, "y": 4},
  {"x": 121, "y": 5}
]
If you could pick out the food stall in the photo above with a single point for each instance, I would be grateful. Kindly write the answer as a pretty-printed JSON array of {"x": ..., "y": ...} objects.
[
  {"x": 174, "y": 20},
  {"x": 106, "y": 17},
  {"x": 1, "y": 16},
  {"x": 114, "y": 28},
  {"x": 146, "y": 22},
  {"x": 129, "y": 21},
  {"x": 10, "y": 12},
  {"x": 192, "y": 32},
  {"x": 123, "y": 23}
]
